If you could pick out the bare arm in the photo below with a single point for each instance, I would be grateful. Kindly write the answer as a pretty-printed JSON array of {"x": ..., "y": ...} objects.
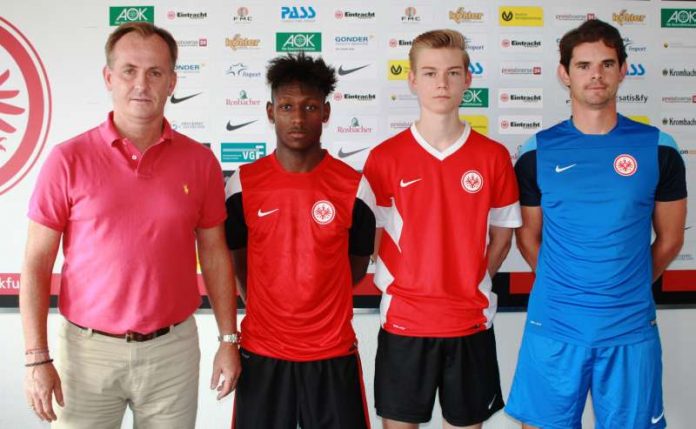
[
  {"x": 42, "y": 381},
  {"x": 240, "y": 269},
  {"x": 216, "y": 266},
  {"x": 499, "y": 240},
  {"x": 669, "y": 219},
  {"x": 529, "y": 235}
]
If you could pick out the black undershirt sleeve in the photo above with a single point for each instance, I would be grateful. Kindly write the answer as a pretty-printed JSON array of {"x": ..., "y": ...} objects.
[
  {"x": 361, "y": 239},
  {"x": 235, "y": 227},
  {"x": 672, "y": 183},
  {"x": 526, "y": 172}
]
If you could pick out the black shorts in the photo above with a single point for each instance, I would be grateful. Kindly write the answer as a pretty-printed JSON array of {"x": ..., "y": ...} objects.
[
  {"x": 410, "y": 370},
  {"x": 277, "y": 394}
]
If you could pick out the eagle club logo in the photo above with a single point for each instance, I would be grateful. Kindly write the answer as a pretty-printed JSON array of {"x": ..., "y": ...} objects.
[
  {"x": 472, "y": 181},
  {"x": 25, "y": 106},
  {"x": 323, "y": 212},
  {"x": 625, "y": 165}
]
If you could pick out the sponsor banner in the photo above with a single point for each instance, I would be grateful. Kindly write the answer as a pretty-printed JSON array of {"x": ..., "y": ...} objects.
[
  {"x": 636, "y": 70},
  {"x": 475, "y": 98},
  {"x": 679, "y": 99},
  {"x": 520, "y": 98},
  {"x": 242, "y": 153},
  {"x": 478, "y": 122},
  {"x": 296, "y": 42},
  {"x": 467, "y": 16},
  {"x": 632, "y": 98},
  {"x": 625, "y": 17},
  {"x": 678, "y": 18},
  {"x": 397, "y": 124},
  {"x": 477, "y": 69},
  {"x": 521, "y": 43},
  {"x": 354, "y": 126},
  {"x": 402, "y": 97},
  {"x": 680, "y": 72},
  {"x": 244, "y": 98},
  {"x": 192, "y": 44},
  {"x": 510, "y": 124},
  {"x": 634, "y": 47},
  {"x": 243, "y": 15},
  {"x": 353, "y": 42},
  {"x": 349, "y": 151},
  {"x": 190, "y": 70},
  {"x": 401, "y": 41},
  {"x": 475, "y": 43},
  {"x": 521, "y": 70},
  {"x": 357, "y": 15},
  {"x": 241, "y": 42},
  {"x": 398, "y": 69},
  {"x": 301, "y": 14},
  {"x": 238, "y": 125},
  {"x": 245, "y": 70},
  {"x": 189, "y": 126},
  {"x": 355, "y": 98},
  {"x": 676, "y": 45},
  {"x": 186, "y": 98},
  {"x": 521, "y": 16},
  {"x": 679, "y": 122},
  {"x": 411, "y": 15},
  {"x": 569, "y": 17},
  {"x": 174, "y": 16},
  {"x": 124, "y": 14},
  {"x": 359, "y": 70}
]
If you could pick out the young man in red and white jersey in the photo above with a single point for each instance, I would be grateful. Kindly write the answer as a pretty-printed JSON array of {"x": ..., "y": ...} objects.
[
  {"x": 300, "y": 239},
  {"x": 446, "y": 199}
]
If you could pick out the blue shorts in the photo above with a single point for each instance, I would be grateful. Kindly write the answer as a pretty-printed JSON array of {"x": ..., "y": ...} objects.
[{"x": 553, "y": 378}]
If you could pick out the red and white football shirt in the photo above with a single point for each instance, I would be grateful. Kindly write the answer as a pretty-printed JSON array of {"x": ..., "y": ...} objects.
[
  {"x": 435, "y": 208},
  {"x": 299, "y": 287}
]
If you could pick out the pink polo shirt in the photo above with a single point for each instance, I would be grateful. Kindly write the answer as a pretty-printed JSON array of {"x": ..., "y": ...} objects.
[{"x": 128, "y": 222}]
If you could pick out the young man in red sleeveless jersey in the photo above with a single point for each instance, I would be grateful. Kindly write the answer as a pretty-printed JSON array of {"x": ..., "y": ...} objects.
[{"x": 300, "y": 239}]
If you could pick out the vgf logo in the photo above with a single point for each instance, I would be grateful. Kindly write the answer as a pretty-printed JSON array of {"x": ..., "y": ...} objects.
[
  {"x": 25, "y": 106},
  {"x": 297, "y": 12},
  {"x": 123, "y": 14},
  {"x": 635, "y": 70}
]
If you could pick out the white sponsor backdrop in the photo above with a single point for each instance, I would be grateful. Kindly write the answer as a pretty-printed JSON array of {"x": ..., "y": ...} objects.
[{"x": 225, "y": 47}]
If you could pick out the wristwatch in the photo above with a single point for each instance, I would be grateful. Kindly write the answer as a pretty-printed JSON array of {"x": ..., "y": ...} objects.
[{"x": 234, "y": 338}]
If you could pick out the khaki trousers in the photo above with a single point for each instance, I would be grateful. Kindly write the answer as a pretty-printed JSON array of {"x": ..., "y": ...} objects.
[{"x": 100, "y": 375}]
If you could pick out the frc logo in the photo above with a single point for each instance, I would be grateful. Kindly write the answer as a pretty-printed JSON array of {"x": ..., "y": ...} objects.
[
  {"x": 475, "y": 97},
  {"x": 398, "y": 69},
  {"x": 678, "y": 18},
  {"x": 123, "y": 14},
  {"x": 323, "y": 212},
  {"x": 295, "y": 42},
  {"x": 242, "y": 152},
  {"x": 25, "y": 106},
  {"x": 472, "y": 181},
  {"x": 410, "y": 15},
  {"x": 294, "y": 13},
  {"x": 243, "y": 16},
  {"x": 625, "y": 165},
  {"x": 520, "y": 16}
]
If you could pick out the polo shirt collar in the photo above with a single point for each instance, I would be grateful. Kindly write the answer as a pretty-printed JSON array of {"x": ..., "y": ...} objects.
[{"x": 110, "y": 134}]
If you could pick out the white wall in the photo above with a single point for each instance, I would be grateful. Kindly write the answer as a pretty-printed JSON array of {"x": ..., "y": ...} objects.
[{"x": 676, "y": 326}]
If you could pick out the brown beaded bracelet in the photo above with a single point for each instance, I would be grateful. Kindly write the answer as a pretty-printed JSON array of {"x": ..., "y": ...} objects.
[{"x": 43, "y": 362}]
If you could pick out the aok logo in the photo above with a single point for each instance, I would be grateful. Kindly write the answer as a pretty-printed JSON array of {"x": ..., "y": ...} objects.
[
  {"x": 635, "y": 70},
  {"x": 123, "y": 14},
  {"x": 25, "y": 106},
  {"x": 297, "y": 12},
  {"x": 294, "y": 42},
  {"x": 678, "y": 18},
  {"x": 475, "y": 97}
]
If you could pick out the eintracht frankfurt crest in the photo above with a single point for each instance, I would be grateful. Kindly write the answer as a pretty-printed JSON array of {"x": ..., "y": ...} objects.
[
  {"x": 25, "y": 106},
  {"x": 472, "y": 181},
  {"x": 323, "y": 212},
  {"x": 625, "y": 165}
]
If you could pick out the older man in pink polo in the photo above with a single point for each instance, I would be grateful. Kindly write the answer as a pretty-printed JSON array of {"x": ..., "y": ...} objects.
[{"x": 131, "y": 200}]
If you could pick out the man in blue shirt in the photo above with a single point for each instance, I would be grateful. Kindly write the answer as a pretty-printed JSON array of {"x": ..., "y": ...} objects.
[{"x": 592, "y": 188}]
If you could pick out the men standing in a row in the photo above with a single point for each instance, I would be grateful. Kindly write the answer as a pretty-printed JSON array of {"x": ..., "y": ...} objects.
[
  {"x": 300, "y": 238},
  {"x": 132, "y": 200},
  {"x": 591, "y": 189},
  {"x": 446, "y": 198}
]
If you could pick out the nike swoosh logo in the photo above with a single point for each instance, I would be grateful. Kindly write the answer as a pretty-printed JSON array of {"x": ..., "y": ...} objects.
[
  {"x": 231, "y": 127},
  {"x": 175, "y": 100},
  {"x": 262, "y": 213},
  {"x": 560, "y": 169},
  {"x": 409, "y": 183},
  {"x": 654, "y": 420},
  {"x": 343, "y": 72},
  {"x": 490, "y": 404},
  {"x": 342, "y": 154}
]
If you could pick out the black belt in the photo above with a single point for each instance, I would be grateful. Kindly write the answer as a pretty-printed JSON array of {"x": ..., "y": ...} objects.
[{"x": 132, "y": 336}]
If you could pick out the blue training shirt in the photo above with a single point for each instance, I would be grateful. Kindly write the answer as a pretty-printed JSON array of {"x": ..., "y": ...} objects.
[{"x": 597, "y": 195}]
